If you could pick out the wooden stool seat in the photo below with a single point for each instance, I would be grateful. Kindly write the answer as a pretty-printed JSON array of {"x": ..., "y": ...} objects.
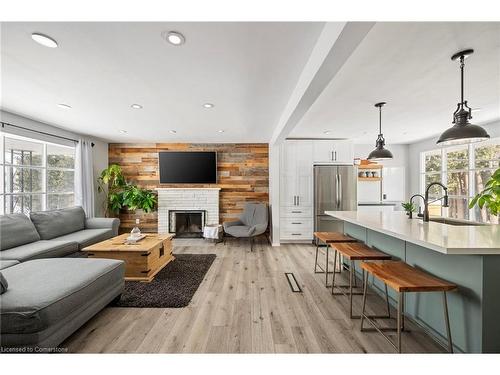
[
  {"x": 359, "y": 251},
  {"x": 327, "y": 238},
  {"x": 356, "y": 251},
  {"x": 404, "y": 278},
  {"x": 330, "y": 237}
]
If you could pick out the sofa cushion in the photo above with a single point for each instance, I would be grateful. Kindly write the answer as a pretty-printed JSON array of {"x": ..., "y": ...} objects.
[
  {"x": 16, "y": 230},
  {"x": 87, "y": 237},
  {"x": 40, "y": 249},
  {"x": 52, "y": 224},
  {"x": 3, "y": 284},
  {"x": 32, "y": 306},
  {"x": 7, "y": 263}
]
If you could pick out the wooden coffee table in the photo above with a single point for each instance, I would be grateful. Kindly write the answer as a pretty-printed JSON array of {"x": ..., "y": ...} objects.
[{"x": 143, "y": 260}]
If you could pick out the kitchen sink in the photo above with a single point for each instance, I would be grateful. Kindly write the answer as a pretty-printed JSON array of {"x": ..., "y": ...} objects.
[{"x": 458, "y": 222}]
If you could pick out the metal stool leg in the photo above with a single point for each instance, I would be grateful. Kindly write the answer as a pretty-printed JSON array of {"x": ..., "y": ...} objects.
[
  {"x": 335, "y": 261},
  {"x": 400, "y": 302},
  {"x": 447, "y": 321},
  {"x": 403, "y": 313},
  {"x": 351, "y": 275},
  {"x": 326, "y": 265},
  {"x": 387, "y": 302},
  {"x": 316, "y": 259},
  {"x": 365, "y": 287},
  {"x": 353, "y": 266}
]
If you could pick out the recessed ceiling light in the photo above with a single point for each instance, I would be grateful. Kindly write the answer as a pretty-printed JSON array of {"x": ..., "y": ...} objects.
[
  {"x": 173, "y": 37},
  {"x": 136, "y": 106},
  {"x": 123, "y": 131},
  {"x": 327, "y": 132},
  {"x": 44, "y": 40},
  {"x": 220, "y": 131},
  {"x": 173, "y": 131},
  {"x": 65, "y": 106},
  {"x": 208, "y": 105}
]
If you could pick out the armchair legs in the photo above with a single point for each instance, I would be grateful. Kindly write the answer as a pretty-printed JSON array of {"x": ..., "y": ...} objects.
[{"x": 251, "y": 240}]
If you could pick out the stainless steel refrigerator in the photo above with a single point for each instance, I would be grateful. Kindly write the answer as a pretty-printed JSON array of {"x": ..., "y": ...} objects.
[{"x": 334, "y": 190}]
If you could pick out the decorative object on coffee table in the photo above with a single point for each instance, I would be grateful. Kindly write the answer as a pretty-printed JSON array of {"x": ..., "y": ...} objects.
[{"x": 143, "y": 259}]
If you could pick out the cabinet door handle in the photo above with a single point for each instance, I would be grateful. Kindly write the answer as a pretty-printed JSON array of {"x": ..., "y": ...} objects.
[
  {"x": 296, "y": 212},
  {"x": 331, "y": 156},
  {"x": 296, "y": 234},
  {"x": 297, "y": 223},
  {"x": 298, "y": 200},
  {"x": 335, "y": 155}
]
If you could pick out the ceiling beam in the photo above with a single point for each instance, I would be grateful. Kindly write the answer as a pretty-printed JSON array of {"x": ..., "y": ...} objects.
[{"x": 336, "y": 43}]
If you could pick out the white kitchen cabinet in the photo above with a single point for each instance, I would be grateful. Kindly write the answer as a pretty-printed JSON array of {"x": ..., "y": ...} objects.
[
  {"x": 296, "y": 190},
  {"x": 326, "y": 151},
  {"x": 393, "y": 184},
  {"x": 369, "y": 191}
]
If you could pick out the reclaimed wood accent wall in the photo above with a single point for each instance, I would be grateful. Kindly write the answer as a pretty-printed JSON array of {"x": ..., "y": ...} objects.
[{"x": 242, "y": 174}]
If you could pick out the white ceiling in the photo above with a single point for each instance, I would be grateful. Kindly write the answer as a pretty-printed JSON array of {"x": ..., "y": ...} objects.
[
  {"x": 408, "y": 65},
  {"x": 248, "y": 70}
]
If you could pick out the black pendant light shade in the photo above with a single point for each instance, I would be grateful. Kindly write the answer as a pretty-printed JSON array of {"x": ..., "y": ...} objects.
[
  {"x": 380, "y": 152},
  {"x": 462, "y": 131}
]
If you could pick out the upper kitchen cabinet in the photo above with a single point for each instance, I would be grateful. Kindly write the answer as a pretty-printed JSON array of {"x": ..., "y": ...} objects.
[
  {"x": 393, "y": 184},
  {"x": 296, "y": 174},
  {"x": 329, "y": 151}
]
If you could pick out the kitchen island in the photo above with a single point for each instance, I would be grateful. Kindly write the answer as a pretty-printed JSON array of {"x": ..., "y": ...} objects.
[{"x": 467, "y": 255}]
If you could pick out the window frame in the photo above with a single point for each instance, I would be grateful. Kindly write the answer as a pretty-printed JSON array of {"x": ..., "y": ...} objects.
[
  {"x": 471, "y": 171},
  {"x": 44, "y": 168}
]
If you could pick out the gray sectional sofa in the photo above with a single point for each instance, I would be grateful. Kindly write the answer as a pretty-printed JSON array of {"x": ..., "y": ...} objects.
[
  {"x": 47, "y": 290},
  {"x": 51, "y": 234}
]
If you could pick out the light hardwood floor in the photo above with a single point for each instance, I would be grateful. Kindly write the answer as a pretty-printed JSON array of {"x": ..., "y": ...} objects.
[{"x": 245, "y": 305}]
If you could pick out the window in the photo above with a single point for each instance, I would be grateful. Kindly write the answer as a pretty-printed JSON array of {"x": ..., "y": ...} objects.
[
  {"x": 36, "y": 175},
  {"x": 464, "y": 169}
]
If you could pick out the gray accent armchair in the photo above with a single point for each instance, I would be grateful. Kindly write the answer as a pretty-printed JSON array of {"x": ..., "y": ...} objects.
[{"x": 252, "y": 222}]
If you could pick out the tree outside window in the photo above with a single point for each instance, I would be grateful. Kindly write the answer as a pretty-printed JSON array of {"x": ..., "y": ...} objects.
[
  {"x": 35, "y": 175},
  {"x": 464, "y": 169}
]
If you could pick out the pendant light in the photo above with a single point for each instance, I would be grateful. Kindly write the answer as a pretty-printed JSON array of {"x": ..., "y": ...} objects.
[
  {"x": 462, "y": 131},
  {"x": 380, "y": 152}
]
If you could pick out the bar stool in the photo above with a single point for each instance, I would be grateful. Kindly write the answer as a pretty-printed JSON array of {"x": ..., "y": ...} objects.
[
  {"x": 353, "y": 252},
  {"x": 404, "y": 278},
  {"x": 327, "y": 238}
]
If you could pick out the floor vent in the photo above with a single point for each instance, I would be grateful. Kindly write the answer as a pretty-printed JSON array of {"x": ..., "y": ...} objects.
[{"x": 292, "y": 281}]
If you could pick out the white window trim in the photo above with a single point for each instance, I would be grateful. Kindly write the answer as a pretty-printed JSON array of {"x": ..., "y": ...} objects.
[
  {"x": 444, "y": 170},
  {"x": 44, "y": 167}
]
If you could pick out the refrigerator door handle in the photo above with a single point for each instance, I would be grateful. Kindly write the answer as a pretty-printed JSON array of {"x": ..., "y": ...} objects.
[
  {"x": 340, "y": 191},
  {"x": 337, "y": 190}
]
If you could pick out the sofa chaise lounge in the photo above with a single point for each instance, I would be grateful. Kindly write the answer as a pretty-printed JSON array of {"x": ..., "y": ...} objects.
[{"x": 47, "y": 292}]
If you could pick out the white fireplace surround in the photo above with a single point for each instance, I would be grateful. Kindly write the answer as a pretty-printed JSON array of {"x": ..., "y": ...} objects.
[{"x": 206, "y": 199}]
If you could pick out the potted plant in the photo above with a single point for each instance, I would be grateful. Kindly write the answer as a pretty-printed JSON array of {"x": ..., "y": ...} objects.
[
  {"x": 112, "y": 183},
  {"x": 490, "y": 196},
  {"x": 138, "y": 199},
  {"x": 409, "y": 207},
  {"x": 122, "y": 195}
]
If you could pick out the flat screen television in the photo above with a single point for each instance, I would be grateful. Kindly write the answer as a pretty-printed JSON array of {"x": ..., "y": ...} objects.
[{"x": 196, "y": 167}]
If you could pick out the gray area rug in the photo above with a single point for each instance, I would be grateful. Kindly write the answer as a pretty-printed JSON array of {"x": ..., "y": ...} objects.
[{"x": 173, "y": 286}]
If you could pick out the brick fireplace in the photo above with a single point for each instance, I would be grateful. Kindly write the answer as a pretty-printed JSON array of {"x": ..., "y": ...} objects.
[{"x": 187, "y": 200}]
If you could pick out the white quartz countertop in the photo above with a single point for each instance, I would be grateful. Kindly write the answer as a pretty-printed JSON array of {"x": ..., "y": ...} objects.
[{"x": 444, "y": 238}]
